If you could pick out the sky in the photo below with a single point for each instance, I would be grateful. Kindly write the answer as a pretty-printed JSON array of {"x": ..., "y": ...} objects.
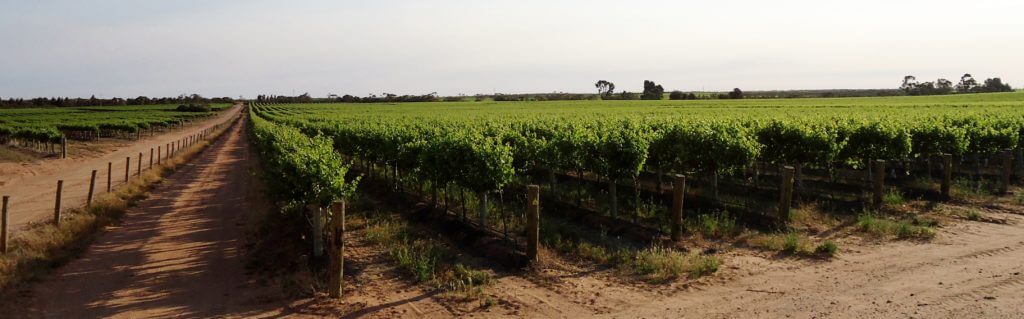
[{"x": 234, "y": 48}]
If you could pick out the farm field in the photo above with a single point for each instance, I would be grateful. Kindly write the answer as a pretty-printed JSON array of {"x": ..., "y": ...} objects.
[
  {"x": 437, "y": 210},
  {"x": 29, "y": 126},
  {"x": 605, "y": 169},
  {"x": 30, "y": 181}
]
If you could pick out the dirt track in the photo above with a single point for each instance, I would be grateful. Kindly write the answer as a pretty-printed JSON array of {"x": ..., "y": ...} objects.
[
  {"x": 177, "y": 254},
  {"x": 32, "y": 186}
]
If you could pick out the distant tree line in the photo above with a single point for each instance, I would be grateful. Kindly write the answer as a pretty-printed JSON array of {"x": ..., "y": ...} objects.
[
  {"x": 967, "y": 84},
  {"x": 93, "y": 101},
  {"x": 372, "y": 98}
]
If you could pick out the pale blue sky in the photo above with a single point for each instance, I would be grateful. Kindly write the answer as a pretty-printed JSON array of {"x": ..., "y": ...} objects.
[{"x": 231, "y": 48}]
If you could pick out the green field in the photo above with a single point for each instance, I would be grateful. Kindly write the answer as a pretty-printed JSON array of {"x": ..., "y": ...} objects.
[
  {"x": 483, "y": 147},
  {"x": 49, "y": 125}
]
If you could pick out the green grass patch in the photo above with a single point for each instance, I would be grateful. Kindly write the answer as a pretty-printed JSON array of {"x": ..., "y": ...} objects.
[
  {"x": 654, "y": 264},
  {"x": 425, "y": 260},
  {"x": 827, "y": 248},
  {"x": 893, "y": 197},
  {"x": 916, "y": 228},
  {"x": 973, "y": 215},
  {"x": 714, "y": 225}
]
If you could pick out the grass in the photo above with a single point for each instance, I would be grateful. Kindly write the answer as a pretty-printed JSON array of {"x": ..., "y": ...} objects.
[
  {"x": 658, "y": 264},
  {"x": 794, "y": 243},
  {"x": 426, "y": 261},
  {"x": 714, "y": 225},
  {"x": 654, "y": 264},
  {"x": 916, "y": 228},
  {"x": 973, "y": 215},
  {"x": 893, "y": 197},
  {"x": 827, "y": 248},
  {"x": 42, "y": 247}
]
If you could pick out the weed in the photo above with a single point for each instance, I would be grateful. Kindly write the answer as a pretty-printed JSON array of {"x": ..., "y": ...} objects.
[
  {"x": 828, "y": 248},
  {"x": 973, "y": 215},
  {"x": 425, "y": 260},
  {"x": 715, "y": 225},
  {"x": 902, "y": 229},
  {"x": 659, "y": 264},
  {"x": 893, "y": 197}
]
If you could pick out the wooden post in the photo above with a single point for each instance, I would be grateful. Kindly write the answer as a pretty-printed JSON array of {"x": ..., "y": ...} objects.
[
  {"x": 63, "y": 147},
  {"x": 614, "y": 198},
  {"x": 3, "y": 225},
  {"x": 337, "y": 262},
  {"x": 92, "y": 188},
  {"x": 878, "y": 173},
  {"x": 947, "y": 174},
  {"x": 56, "y": 206},
  {"x": 678, "y": 195},
  {"x": 1004, "y": 187},
  {"x": 127, "y": 167},
  {"x": 150, "y": 158},
  {"x": 110, "y": 174},
  {"x": 532, "y": 222},
  {"x": 483, "y": 210},
  {"x": 138, "y": 168},
  {"x": 159, "y": 154},
  {"x": 318, "y": 229},
  {"x": 786, "y": 192},
  {"x": 1019, "y": 166}
]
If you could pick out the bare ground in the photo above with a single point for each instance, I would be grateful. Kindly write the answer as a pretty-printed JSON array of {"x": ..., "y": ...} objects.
[{"x": 178, "y": 254}]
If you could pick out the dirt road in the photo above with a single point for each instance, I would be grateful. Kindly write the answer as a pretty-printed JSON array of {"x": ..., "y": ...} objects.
[
  {"x": 33, "y": 186},
  {"x": 177, "y": 254}
]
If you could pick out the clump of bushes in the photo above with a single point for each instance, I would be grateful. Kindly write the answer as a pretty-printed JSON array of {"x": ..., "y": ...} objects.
[{"x": 194, "y": 107}]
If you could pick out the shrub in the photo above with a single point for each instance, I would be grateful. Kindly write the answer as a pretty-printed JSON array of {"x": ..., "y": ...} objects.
[
  {"x": 828, "y": 248},
  {"x": 193, "y": 107}
]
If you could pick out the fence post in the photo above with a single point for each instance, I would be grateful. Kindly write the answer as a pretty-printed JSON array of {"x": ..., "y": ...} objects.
[
  {"x": 150, "y": 158},
  {"x": 786, "y": 192},
  {"x": 947, "y": 174},
  {"x": 127, "y": 167},
  {"x": 63, "y": 147},
  {"x": 614, "y": 196},
  {"x": 1019, "y": 160},
  {"x": 1004, "y": 187},
  {"x": 532, "y": 222},
  {"x": 483, "y": 211},
  {"x": 56, "y": 206},
  {"x": 678, "y": 195},
  {"x": 110, "y": 174},
  {"x": 92, "y": 188},
  {"x": 3, "y": 224},
  {"x": 138, "y": 168},
  {"x": 159, "y": 154},
  {"x": 318, "y": 229},
  {"x": 337, "y": 263},
  {"x": 878, "y": 172}
]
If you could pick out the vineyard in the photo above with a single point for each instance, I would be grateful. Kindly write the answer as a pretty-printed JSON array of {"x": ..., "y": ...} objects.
[
  {"x": 610, "y": 164},
  {"x": 47, "y": 126}
]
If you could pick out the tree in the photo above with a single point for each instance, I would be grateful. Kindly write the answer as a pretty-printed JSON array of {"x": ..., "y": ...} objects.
[
  {"x": 652, "y": 91},
  {"x": 605, "y": 88},
  {"x": 736, "y": 94},
  {"x": 943, "y": 86},
  {"x": 677, "y": 95},
  {"x": 995, "y": 85},
  {"x": 909, "y": 84},
  {"x": 967, "y": 84}
]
